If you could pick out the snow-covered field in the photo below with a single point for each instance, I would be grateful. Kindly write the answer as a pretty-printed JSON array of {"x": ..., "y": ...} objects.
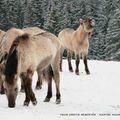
[{"x": 97, "y": 93}]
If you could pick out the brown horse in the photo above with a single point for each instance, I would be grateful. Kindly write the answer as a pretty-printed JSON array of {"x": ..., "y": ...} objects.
[
  {"x": 6, "y": 43},
  {"x": 26, "y": 54},
  {"x": 77, "y": 41}
]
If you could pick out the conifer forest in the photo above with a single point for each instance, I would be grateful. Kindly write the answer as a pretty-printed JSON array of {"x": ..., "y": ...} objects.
[{"x": 55, "y": 15}]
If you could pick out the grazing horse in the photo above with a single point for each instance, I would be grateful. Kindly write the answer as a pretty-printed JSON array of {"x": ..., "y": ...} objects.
[
  {"x": 77, "y": 41},
  {"x": 26, "y": 54},
  {"x": 6, "y": 43}
]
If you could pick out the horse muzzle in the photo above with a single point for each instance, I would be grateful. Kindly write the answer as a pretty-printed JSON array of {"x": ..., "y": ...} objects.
[{"x": 11, "y": 102}]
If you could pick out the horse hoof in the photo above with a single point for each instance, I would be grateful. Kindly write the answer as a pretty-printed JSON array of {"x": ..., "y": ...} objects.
[
  {"x": 71, "y": 70},
  {"x": 26, "y": 103},
  {"x": 38, "y": 87},
  {"x": 34, "y": 102},
  {"x": 22, "y": 90},
  {"x": 47, "y": 99},
  {"x": 88, "y": 73},
  {"x": 77, "y": 73},
  {"x": 58, "y": 101},
  {"x": 60, "y": 70}
]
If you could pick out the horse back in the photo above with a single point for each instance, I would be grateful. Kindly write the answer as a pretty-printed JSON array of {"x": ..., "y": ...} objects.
[
  {"x": 35, "y": 50},
  {"x": 66, "y": 37},
  {"x": 54, "y": 39},
  {"x": 33, "y": 30}
]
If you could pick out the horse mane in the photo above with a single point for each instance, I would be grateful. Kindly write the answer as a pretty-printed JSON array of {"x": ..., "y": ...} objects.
[{"x": 12, "y": 60}]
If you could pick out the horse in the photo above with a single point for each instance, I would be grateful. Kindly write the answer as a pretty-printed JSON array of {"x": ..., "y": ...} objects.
[
  {"x": 34, "y": 31},
  {"x": 25, "y": 55},
  {"x": 6, "y": 43},
  {"x": 77, "y": 42}
]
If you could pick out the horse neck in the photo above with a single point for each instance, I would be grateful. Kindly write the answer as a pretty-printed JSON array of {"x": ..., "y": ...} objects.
[
  {"x": 11, "y": 65},
  {"x": 81, "y": 34}
]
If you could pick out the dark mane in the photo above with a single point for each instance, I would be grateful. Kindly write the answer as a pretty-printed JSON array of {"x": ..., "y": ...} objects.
[
  {"x": 12, "y": 60},
  {"x": 11, "y": 66}
]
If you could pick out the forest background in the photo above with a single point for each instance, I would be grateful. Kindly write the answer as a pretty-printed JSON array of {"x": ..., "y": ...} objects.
[{"x": 55, "y": 15}]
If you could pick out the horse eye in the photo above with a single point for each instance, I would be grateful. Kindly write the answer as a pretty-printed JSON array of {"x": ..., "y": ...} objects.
[{"x": 16, "y": 89}]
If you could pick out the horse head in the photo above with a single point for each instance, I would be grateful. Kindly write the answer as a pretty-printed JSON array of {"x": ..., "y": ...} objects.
[{"x": 88, "y": 23}]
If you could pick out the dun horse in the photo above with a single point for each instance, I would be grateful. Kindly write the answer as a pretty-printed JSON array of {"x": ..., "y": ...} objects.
[
  {"x": 5, "y": 45},
  {"x": 77, "y": 41},
  {"x": 34, "y": 31},
  {"x": 26, "y": 54}
]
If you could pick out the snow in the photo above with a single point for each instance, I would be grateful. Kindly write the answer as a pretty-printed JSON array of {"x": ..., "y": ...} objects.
[{"x": 97, "y": 93}]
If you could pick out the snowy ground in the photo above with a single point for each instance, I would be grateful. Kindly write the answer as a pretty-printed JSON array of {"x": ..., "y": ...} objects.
[{"x": 98, "y": 93}]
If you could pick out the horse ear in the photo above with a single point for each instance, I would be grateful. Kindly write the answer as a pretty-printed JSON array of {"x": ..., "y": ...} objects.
[{"x": 81, "y": 21}]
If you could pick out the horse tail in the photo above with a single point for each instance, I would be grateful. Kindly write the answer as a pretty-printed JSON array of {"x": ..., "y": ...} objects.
[{"x": 12, "y": 60}]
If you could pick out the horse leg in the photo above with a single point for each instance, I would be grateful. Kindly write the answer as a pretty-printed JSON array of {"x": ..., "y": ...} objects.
[
  {"x": 23, "y": 81},
  {"x": 61, "y": 55},
  {"x": 69, "y": 57},
  {"x": 1, "y": 79},
  {"x": 86, "y": 65},
  {"x": 77, "y": 64},
  {"x": 1, "y": 88},
  {"x": 56, "y": 77},
  {"x": 39, "y": 81},
  {"x": 49, "y": 75},
  {"x": 22, "y": 86},
  {"x": 28, "y": 89},
  {"x": 57, "y": 84}
]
